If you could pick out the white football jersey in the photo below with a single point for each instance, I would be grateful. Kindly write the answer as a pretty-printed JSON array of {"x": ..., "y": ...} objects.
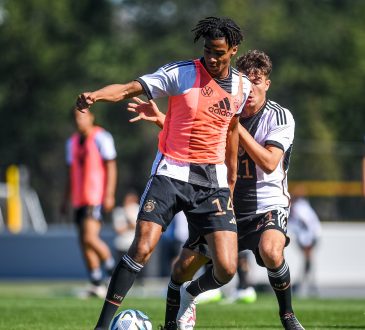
[
  {"x": 257, "y": 192},
  {"x": 175, "y": 79}
]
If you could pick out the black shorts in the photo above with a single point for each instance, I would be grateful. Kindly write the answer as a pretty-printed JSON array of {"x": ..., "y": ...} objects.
[
  {"x": 207, "y": 209},
  {"x": 89, "y": 211},
  {"x": 251, "y": 228}
]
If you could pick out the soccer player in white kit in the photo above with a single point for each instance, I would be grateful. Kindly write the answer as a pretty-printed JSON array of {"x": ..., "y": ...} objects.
[{"x": 261, "y": 198}]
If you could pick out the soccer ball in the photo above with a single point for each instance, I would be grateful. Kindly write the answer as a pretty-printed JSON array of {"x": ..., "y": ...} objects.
[{"x": 131, "y": 319}]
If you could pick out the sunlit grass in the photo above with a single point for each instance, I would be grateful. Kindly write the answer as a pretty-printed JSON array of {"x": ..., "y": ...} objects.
[{"x": 44, "y": 306}]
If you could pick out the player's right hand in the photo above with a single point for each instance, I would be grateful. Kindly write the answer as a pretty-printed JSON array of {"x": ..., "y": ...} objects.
[{"x": 84, "y": 101}]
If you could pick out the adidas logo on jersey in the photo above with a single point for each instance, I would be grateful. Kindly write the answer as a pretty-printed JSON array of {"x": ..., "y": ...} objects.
[{"x": 222, "y": 108}]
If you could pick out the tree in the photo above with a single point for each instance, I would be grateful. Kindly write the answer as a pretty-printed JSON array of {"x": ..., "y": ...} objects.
[
  {"x": 317, "y": 51},
  {"x": 52, "y": 51}
]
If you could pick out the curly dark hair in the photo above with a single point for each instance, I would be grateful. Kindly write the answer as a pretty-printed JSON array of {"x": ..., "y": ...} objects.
[
  {"x": 254, "y": 62},
  {"x": 215, "y": 28}
]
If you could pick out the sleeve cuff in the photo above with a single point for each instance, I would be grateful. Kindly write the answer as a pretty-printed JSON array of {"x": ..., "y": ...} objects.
[
  {"x": 275, "y": 144},
  {"x": 145, "y": 88}
]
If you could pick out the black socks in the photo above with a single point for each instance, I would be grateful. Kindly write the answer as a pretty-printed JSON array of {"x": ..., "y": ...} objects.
[
  {"x": 204, "y": 283},
  {"x": 280, "y": 281},
  {"x": 122, "y": 280}
]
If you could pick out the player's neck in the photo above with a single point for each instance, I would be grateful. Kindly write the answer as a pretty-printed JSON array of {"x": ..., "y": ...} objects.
[
  {"x": 86, "y": 132},
  {"x": 224, "y": 74},
  {"x": 250, "y": 111}
]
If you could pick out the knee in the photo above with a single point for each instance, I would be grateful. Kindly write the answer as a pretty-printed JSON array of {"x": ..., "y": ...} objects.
[
  {"x": 88, "y": 240},
  {"x": 224, "y": 273},
  {"x": 146, "y": 238},
  {"x": 271, "y": 254},
  {"x": 140, "y": 251},
  {"x": 231, "y": 270}
]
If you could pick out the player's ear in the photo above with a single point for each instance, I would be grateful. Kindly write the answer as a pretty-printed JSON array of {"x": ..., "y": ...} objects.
[
  {"x": 234, "y": 50},
  {"x": 268, "y": 83}
]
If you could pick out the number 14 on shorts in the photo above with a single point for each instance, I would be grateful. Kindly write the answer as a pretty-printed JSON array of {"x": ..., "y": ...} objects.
[{"x": 219, "y": 206}]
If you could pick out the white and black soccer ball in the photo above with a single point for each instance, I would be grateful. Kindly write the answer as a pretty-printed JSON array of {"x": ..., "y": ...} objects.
[{"x": 131, "y": 319}]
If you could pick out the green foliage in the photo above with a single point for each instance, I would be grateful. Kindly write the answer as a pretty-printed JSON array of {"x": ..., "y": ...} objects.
[
  {"x": 51, "y": 51},
  {"x": 317, "y": 48}
]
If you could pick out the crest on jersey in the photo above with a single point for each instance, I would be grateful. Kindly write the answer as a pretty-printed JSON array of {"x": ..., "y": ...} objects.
[
  {"x": 206, "y": 91},
  {"x": 149, "y": 206}
]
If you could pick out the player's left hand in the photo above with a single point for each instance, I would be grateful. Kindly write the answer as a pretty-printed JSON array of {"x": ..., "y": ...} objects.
[{"x": 145, "y": 110}]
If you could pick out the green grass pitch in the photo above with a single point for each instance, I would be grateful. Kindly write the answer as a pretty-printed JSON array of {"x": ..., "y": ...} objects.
[{"x": 44, "y": 306}]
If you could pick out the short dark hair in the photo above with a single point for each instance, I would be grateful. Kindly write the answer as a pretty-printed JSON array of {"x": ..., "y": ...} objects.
[
  {"x": 215, "y": 28},
  {"x": 74, "y": 110},
  {"x": 254, "y": 61}
]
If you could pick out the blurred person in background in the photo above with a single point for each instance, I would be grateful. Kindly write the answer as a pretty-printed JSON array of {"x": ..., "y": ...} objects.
[
  {"x": 245, "y": 292},
  {"x": 124, "y": 219},
  {"x": 90, "y": 186},
  {"x": 306, "y": 226},
  {"x": 363, "y": 171},
  {"x": 261, "y": 199}
]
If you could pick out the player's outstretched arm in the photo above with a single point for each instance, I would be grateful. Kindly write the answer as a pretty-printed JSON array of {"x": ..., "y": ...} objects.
[
  {"x": 110, "y": 93},
  {"x": 146, "y": 111}
]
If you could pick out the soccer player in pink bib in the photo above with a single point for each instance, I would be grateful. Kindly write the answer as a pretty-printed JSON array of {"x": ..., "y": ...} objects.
[
  {"x": 90, "y": 187},
  {"x": 196, "y": 165}
]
